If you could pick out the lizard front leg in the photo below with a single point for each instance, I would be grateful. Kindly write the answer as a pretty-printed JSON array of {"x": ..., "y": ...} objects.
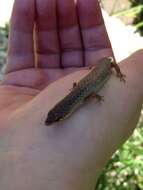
[{"x": 94, "y": 95}]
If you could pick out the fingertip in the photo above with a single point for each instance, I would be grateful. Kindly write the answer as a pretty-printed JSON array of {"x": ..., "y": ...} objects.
[
  {"x": 23, "y": 15},
  {"x": 20, "y": 47},
  {"x": 89, "y": 13}
]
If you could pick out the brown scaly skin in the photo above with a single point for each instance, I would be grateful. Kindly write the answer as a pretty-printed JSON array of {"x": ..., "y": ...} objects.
[{"x": 83, "y": 90}]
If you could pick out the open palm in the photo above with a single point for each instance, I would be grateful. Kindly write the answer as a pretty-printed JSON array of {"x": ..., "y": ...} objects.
[{"x": 68, "y": 36}]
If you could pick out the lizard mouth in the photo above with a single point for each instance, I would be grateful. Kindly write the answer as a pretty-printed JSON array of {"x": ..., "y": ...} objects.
[{"x": 48, "y": 122}]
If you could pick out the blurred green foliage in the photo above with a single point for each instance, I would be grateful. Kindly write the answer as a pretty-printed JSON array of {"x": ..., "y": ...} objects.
[
  {"x": 4, "y": 37},
  {"x": 3, "y": 47},
  {"x": 3, "y": 41},
  {"x": 125, "y": 170},
  {"x": 138, "y": 20},
  {"x": 132, "y": 12},
  {"x": 135, "y": 12}
]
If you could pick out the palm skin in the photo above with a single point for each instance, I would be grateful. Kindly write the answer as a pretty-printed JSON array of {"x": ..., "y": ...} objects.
[{"x": 68, "y": 155}]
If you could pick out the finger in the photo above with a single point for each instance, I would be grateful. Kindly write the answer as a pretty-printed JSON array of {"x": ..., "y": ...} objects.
[
  {"x": 69, "y": 33},
  {"x": 48, "y": 51},
  {"x": 95, "y": 38},
  {"x": 20, "y": 50}
]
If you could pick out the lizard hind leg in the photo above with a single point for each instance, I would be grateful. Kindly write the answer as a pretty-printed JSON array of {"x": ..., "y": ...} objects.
[{"x": 118, "y": 71}]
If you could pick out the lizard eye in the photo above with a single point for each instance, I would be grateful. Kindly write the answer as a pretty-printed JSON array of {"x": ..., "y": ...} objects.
[{"x": 57, "y": 117}]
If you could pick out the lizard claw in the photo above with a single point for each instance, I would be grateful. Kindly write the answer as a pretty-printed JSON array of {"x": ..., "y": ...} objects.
[
  {"x": 122, "y": 77},
  {"x": 99, "y": 98}
]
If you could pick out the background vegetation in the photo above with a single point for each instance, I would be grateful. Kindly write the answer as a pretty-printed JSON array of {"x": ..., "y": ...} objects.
[
  {"x": 3, "y": 47},
  {"x": 138, "y": 20},
  {"x": 134, "y": 13},
  {"x": 125, "y": 170}
]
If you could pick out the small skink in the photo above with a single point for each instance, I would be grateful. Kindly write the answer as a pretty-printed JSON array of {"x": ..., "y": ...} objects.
[{"x": 85, "y": 89}]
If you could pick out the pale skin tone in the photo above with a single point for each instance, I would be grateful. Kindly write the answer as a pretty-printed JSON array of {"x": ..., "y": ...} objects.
[{"x": 71, "y": 154}]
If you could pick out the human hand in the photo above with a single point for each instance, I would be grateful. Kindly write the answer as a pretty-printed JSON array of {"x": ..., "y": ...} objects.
[{"x": 70, "y": 154}]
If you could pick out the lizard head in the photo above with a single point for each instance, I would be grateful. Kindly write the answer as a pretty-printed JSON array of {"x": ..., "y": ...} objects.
[{"x": 52, "y": 117}]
